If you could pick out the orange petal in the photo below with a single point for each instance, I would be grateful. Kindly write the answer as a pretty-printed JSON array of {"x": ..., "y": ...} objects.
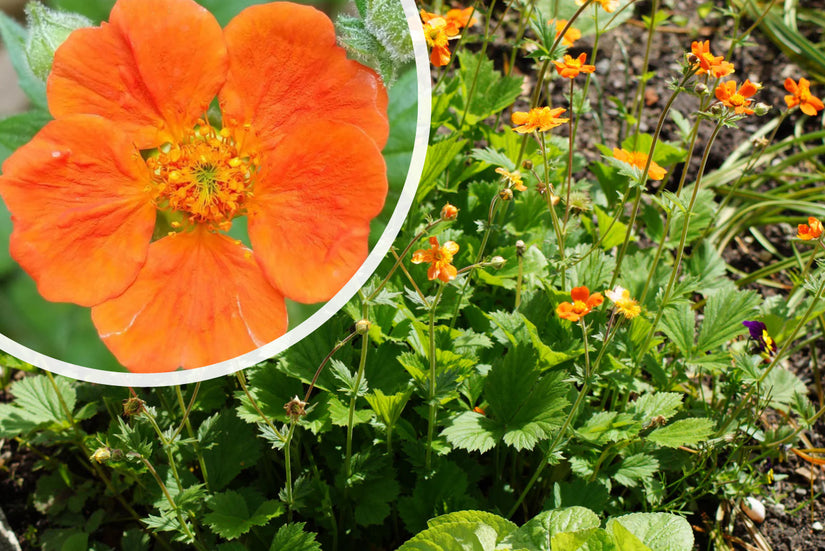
[
  {"x": 200, "y": 299},
  {"x": 580, "y": 294},
  {"x": 152, "y": 70},
  {"x": 748, "y": 89},
  {"x": 791, "y": 86},
  {"x": 82, "y": 217},
  {"x": 285, "y": 69},
  {"x": 309, "y": 219}
]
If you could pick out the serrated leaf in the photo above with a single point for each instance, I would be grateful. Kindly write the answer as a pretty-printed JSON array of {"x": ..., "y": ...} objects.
[
  {"x": 230, "y": 516},
  {"x": 347, "y": 378},
  {"x": 388, "y": 408},
  {"x": 537, "y": 533},
  {"x": 228, "y": 446},
  {"x": 625, "y": 539},
  {"x": 678, "y": 323},
  {"x": 493, "y": 157},
  {"x": 472, "y": 431},
  {"x": 454, "y": 536},
  {"x": 660, "y": 404},
  {"x": 491, "y": 91},
  {"x": 38, "y": 401},
  {"x": 612, "y": 233},
  {"x": 724, "y": 313},
  {"x": 636, "y": 468},
  {"x": 439, "y": 156},
  {"x": 684, "y": 432},
  {"x": 657, "y": 531},
  {"x": 14, "y": 38},
  {"x": 608, "y": 426},
  {"x": 501, "y": 525},
  {"x": 293, "y": 537},
  {"x": 780, "y": 387}
]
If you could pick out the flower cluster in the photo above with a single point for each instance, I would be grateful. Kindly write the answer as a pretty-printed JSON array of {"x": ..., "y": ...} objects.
[{"x": 439, "y": 30}]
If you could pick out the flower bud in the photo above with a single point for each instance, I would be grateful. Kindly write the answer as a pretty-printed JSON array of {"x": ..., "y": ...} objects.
[
  {"x": 761, "y": 109},
  {"x": 362, "y": 326},
  {"x": 101, "y": 455},
  {"x": 449, "y": 212},
  {"x": 48, "y": 29},
  {"x": 506, "y": 194},
  {"x": 554, "y": 199},
  {"x": 295, "y": 408},
  {"x": 497, "y": 262},
  {"x": 520, "y": 247},
  {"x": 527, "y": 164},
  {"x": 132, "y": 406},
  {"x": 692, "y": 59},
  {"x": 760, "y": 142},
  {"x": 717, "y": 109},
  {"x": 700, "y": 88}
]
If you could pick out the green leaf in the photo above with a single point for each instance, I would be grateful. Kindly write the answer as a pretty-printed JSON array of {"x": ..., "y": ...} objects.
[
  {"x": 38, "y": 401},
  {"x": 454, "y": 536},
  {"x": 608, "y": 426},
  {"x": 615, "y": 235},
  {"x": 684, "y": 432},
  {"x": 491, "y": 91},
  {"x": 636, "y": 468},
  {"x": 657, "y": 531},
  {"x": 445, "y": 490},
  {"x": 779, "y": 388},
  {"x": 660, "y": 404},
  {"x": 293, "y": 537},
  {"x": 678, "y": 323},
  {"x": 439, "y": 156},
  {"x": 14, "y": 37},
  {"x": 625, "y": 539},
  {"x": 17, "y": 130},
  {"x": 472, "y": 431},
  {"x": 724, "y": 313},
  {"x": 388, "y": 408},
  {"x": 386, "y": 21},
  {"x": 229, "y": 446},
  {"x": 230, "y": 516},
  {"x": 539, "y": 531},
  {"x": 501, "y": 525}
]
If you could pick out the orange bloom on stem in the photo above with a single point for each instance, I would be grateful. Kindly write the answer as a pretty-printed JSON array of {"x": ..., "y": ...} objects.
[
  {"x": 735, "y": 99},
  {"x": 607, "y": 5},
  {"x": 299, "y": 154},
  {"x": 539, "y": 119},
  {"x": 709, "y": 63},
  {"x": 812, "y": 230},
  {"x": 639, "y": 160},
  {"x": 513, "y": 178},
  {"x": 800, "y": 94},
  {"x": 570, "y": 68},
  {"x": 440, "y": 259},
  {"x": 583, "y": 303},
  {"x": 570, "y": 36},
  {"x": 438, "y": 30}
]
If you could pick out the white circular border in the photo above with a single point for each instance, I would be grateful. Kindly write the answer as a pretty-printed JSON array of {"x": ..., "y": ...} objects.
[{"x": 330, "y": 308}]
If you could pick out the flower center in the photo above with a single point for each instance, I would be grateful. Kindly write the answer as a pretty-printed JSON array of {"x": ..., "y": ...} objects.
[
  {"x": 204, "y": 177},
  {"x": 737, "y": 99},
  {"x": 580, "y": 308}
]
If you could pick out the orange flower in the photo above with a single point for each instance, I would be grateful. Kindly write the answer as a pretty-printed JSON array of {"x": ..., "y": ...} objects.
[
  {"x": 303, "y": 128},
  {"x": 449, "y": 212},
  {"x": 513, "y": 178},
  {"x": 438, "y": 39},
  {"x": 570, "y": 36},
  {"x": 570, "y": 68},
  {"x": 607, "y": 5},
  {"x": 539, "y": 119},
  {"x": 811, "y": 230},
  {"x": 626, "y": 306},
  {"x": 438, "y": 30},
  {"x": 639, "y": 160},
  {"x": 735, "y": 99},
  {"x": 709, "y": 63},
  {"x": 440, "y": 259},
  {"x": 800, "y": 94},
  {"x": 583, "y": 303}
]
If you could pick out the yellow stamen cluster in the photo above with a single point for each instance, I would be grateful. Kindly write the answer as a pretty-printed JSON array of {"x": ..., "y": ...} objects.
[{"x": 204, "y": 177}]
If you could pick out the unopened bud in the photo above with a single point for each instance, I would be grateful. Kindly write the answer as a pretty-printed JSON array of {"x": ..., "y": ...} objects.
[
  {"x": 362, "y": 327},
  {"x": 760, "y": 142},
  {"x": 101, "y": 455},
  {"x": 479, "y": 411},
  {"x": 541, "y": 187},
  {"x": 520, "y": 247},
  {"x": 295, "y": 408},
  {"x": 449, "y": 212},
  {"x": 48, "y": 29},
  {"x": 506, "y": 194},
  {"x": 717, "y": 109},
  {"x": 700, "y": 88},
  {"x": 132, "y": 406},
  {"x": 554, "y": 200},
  {"x": 761, "y": 109},
  {"x": 527, "y": 164},
  {"x": 497, "y": 262},
  {"x": 692, "y": 59}
]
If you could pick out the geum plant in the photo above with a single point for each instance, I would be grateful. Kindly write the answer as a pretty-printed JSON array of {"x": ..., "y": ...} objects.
[{"x": 561, "y": 359}]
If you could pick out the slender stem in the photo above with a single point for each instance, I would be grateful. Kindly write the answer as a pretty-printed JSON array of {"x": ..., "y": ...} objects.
[
  {"x": 638, "y": 102},
  {"x": 335, "y": 349},
  {"x": 196, "y": 444},
  {"x": 569, "y": 159},
  {"x": 288, "y": 468},
  {"x": 433, "y": 403},
  {"x": 165, "y": 490},
  {"x": 242, "y": 381},
  {"x": 365, "y": 341},
  {"x": 482, "y": 53}
]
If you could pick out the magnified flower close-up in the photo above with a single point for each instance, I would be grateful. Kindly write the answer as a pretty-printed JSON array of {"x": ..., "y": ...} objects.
[{"x": 123, "y": 201}]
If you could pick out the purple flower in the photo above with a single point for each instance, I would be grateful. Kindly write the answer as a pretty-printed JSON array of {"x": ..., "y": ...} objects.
[{"x": 765, "y": 345}]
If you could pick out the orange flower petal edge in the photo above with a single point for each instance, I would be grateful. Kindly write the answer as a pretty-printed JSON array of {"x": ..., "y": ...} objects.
[
  {"x": 638, "y": 159},
  {"x": 812, "y": 230},
  {"x": 185, "y": 322}
]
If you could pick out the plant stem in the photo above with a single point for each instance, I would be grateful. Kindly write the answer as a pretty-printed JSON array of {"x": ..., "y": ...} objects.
[
  {"x": 365, "y": 340},
  {"x": 433, "y": 403},
  {"x": 196, "y": 444}
]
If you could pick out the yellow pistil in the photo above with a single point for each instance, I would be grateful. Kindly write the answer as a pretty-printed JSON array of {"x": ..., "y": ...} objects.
[{"x": 204, "y": 177}]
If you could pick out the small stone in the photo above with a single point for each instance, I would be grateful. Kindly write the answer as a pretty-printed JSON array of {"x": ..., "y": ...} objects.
[
  {"x": 754, "y": 509},
  {"x": 817, "y": 526}
]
